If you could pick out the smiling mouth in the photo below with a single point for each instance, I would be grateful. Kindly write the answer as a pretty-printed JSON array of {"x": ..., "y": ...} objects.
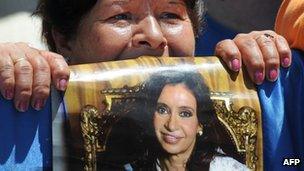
[{"x": 170, "y": 139}]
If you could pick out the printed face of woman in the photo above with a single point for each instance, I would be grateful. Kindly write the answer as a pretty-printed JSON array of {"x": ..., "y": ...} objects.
[
  {"x": 120, "y": 29},
  {"x": 175, "y": 119}
]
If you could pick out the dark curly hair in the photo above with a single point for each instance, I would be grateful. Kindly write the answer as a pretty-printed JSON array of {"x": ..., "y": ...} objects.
[{"x": 65, "y": 16}]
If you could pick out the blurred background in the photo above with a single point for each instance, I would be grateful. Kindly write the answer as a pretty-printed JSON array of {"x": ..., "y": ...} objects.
[{"x": 17, "y": 24}]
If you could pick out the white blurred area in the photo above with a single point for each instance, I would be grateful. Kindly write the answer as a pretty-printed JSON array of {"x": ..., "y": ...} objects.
[{"x": 18, "y": 25}]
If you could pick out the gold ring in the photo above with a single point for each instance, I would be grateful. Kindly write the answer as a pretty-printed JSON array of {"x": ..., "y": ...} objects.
[{"x": 18, "y": 60}]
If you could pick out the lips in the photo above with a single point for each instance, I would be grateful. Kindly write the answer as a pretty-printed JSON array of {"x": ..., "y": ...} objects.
[{"x": 171, "y": 138}]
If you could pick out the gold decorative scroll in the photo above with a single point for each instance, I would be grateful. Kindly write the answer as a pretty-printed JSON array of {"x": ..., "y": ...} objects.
[{"x": 243, "y": 127}]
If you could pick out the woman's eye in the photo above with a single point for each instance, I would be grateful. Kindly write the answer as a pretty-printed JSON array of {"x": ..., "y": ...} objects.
[
  {"x": 185, "y": 114},
  {"x": 168, "y": 15},
  {"x": 161, "y": 110},
  {"x": 123, "y": 16},
  {"x": 121, "y": 20}
]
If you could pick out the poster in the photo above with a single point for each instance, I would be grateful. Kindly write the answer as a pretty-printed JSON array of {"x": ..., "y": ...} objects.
[{"x": 133, "y": 114}]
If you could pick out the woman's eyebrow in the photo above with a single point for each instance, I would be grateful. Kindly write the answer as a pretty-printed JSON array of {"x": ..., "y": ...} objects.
[
  {"x": 120, "y": 2},
  {"x": 161, "y": 104},
  {"x": 187, "y": 107},
  {"x": 177, "y": 2}
]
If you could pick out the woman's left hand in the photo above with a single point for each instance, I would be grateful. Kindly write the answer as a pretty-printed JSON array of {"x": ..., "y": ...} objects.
[{"x": 261, "y": 52}]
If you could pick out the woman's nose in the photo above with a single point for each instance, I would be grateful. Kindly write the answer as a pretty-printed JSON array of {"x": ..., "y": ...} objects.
[
  {"x": 171, "y": 123},
  {"x": 149, "y": 34}
]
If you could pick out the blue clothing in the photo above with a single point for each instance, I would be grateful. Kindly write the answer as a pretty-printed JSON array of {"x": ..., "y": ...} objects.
[
  {"x": 283, "y": 116},
  {"x": 25, "y": 138}
]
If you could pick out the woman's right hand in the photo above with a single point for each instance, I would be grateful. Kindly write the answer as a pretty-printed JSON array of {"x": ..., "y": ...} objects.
[{"x": 26, "y": 74}]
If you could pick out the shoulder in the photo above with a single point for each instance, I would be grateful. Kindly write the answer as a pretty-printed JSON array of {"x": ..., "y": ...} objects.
[{"x": 226, "y": 163}]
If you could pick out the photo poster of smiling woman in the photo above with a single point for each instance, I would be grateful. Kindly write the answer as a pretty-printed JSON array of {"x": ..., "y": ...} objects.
[{"x": 141, "y": 113}]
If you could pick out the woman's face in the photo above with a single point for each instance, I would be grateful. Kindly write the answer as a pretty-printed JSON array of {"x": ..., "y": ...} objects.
[
  {"x": 175, "y": 119},
  {"x": 121, "y": 29}
]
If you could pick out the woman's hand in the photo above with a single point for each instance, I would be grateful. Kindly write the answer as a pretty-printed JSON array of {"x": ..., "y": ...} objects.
[
  {"x": 261, "y": 52},
  {"x": 26, "y": 74}
]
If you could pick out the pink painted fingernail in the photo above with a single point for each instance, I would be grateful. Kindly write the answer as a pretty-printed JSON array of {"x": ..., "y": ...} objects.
[
  {"x": 258, "y": 76},
  {"x": 235, "y": 64},
  {"x": 22, "y": 106},
  {"x": 286, "y": 62},
  {"x": 273, "y": 74},
  {"x": 39, "y": 104},
  {"x": 62, "y": 84},
  {"x": 9, "y": 94}
]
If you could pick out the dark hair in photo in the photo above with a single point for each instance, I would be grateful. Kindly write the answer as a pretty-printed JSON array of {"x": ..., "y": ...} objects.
[
  {"x": 206, "y": 145},
  {"x": 133, "y": 140}
]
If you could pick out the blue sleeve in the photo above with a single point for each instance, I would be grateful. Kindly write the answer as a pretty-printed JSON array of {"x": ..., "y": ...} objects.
[
  {"x": 282, "y": 105},
  {"x": 25, "y": 138}
]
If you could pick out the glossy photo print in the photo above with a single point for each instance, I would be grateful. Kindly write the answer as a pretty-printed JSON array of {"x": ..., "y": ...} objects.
[{"x": 157, "y": 114}]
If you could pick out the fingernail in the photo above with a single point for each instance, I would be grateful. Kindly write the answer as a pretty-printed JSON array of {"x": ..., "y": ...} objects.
[
  {"x": 39, "y": 104},
  {"x": 258, "y": 76},
  {"x": 23, "y": 106},
  {"x": 62, "y": 84},
  {"x": 9, "y": 94},
  {"x": 273, "y": 74},
  {"x": 286, "y": 62},
  {"x": 235, "y": 64}
]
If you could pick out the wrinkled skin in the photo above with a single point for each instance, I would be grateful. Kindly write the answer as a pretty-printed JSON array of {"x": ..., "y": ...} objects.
[{"x": 121, "y": 30}]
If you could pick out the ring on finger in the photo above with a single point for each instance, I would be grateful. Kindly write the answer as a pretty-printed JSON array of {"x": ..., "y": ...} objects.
[
  {"x": 18, "y": 60},
  {"x": 265, "y": 35},
  {"x": 269, "y": 35}
]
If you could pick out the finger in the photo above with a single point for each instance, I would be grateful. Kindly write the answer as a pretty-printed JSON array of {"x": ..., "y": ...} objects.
[
  {"x": 229, "y": 52},
  {"x": 7, "y": 77},
  {"x": 251, "y": 57},
  {"x": 281, "y": 45},
  {"x": 23, "y": 80},
  {"x": 256, "y": 34},
  {"x": 41, "y": 83},
  {"x": 59, "y": 68},
  {"x": 41, "y": 78},
  {"x": 270, "y": 56},
  {"x": 284, "y": 51}
]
